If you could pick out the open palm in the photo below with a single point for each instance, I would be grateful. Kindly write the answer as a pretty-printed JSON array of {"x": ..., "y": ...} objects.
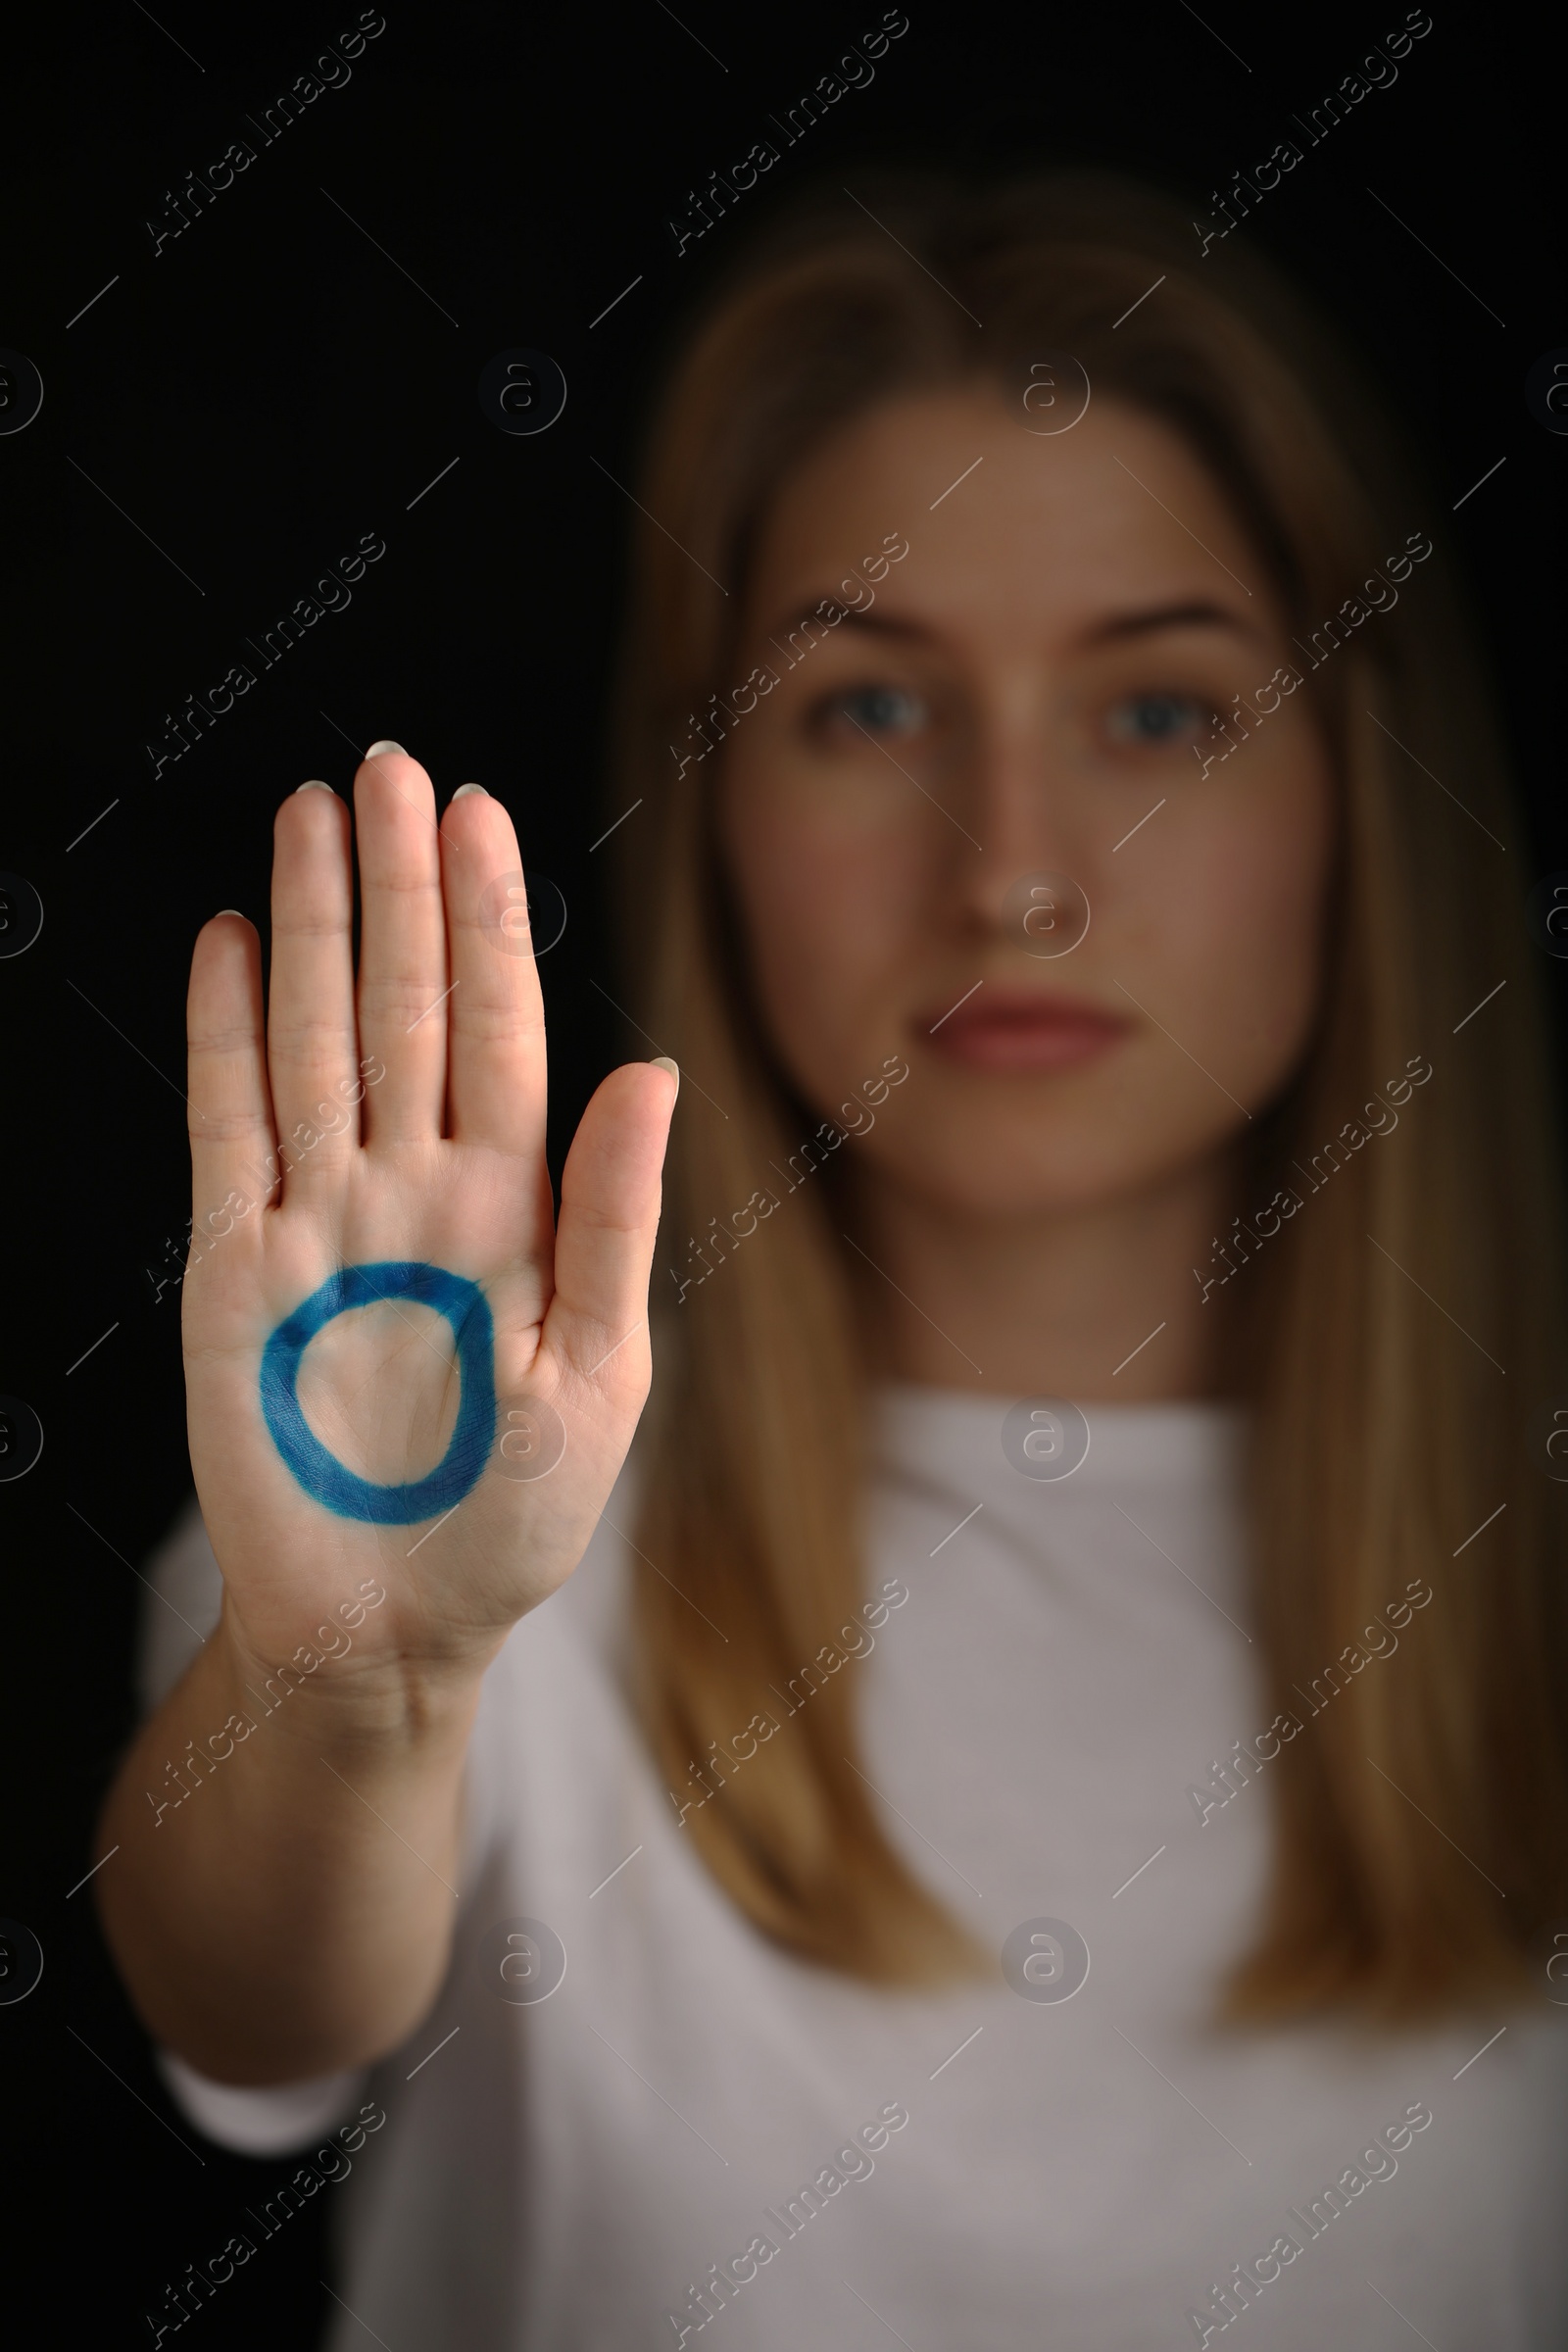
[{"x": 401, "y": 1377}]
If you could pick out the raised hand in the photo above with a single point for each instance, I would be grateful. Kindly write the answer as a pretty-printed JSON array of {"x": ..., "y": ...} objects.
[{"x": 402, "y": 1378}]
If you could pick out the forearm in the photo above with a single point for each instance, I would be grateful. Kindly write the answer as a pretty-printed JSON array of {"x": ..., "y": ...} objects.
[{"x": 288, "y": 1912}]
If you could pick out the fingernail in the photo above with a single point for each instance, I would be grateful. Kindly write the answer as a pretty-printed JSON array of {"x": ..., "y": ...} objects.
[
  {"x": 663, "y": 1062},
  {"x": 228, "y": 911},
  {"x": 462, "y": 788},
  {"x": 387, "y": 745},
  {"x": 312, "y": 784}
]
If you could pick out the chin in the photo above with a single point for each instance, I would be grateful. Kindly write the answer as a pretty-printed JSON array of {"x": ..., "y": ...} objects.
[{"x": 995, "y": 1172}]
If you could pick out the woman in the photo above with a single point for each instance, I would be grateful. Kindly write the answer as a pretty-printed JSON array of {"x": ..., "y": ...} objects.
[{"x": 1108, "y": 1261}]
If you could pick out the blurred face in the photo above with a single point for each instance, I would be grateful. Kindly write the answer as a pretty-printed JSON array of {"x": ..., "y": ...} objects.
[{"x": 1008, "y": 742}]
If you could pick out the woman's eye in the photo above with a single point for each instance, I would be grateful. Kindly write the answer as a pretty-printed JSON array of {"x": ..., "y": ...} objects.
[
  {"x": 879, "y": 710},
  {"x": 1155, "y": 720}
]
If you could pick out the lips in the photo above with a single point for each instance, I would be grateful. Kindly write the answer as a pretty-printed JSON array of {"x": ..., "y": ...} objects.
[{"x": 1013, "y": 1030}]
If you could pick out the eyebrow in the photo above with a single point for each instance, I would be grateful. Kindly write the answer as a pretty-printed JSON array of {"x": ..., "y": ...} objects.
[
  {"x": 1197, "y": 613},
  {"x": 862, "y": 619}
]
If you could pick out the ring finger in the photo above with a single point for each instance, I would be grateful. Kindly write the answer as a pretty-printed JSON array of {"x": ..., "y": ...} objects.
[{"x": 310, "y": 1041}]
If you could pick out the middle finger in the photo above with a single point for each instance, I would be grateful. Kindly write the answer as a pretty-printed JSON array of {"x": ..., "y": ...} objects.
[{"x": 403, "y": 947}]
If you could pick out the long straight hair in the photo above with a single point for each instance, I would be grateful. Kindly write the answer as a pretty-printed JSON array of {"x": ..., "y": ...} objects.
[{"x": 1392, "y": 1320}]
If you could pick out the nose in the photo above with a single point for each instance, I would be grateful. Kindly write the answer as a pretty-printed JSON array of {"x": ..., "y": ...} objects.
[{"x": 1023, "y": 805}]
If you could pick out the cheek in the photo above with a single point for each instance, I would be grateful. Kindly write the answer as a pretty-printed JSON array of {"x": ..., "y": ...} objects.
[
  {"x": 829, "y": 898},
  {"x": 1243, "y": 917}
]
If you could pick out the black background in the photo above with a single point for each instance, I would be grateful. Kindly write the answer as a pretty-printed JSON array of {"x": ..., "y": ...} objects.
[{"x": 272, "y": 386}]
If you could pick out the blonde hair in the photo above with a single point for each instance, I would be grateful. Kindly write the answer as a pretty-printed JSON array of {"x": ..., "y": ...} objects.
[{"x": 1391, "y": 1339}]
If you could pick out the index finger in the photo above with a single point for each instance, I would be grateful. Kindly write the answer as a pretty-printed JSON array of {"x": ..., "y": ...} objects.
[{"x": 497, "y": 1079}]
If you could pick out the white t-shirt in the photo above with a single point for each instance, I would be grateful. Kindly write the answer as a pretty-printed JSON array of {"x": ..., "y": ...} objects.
[{"x": 978, "y": 2171}]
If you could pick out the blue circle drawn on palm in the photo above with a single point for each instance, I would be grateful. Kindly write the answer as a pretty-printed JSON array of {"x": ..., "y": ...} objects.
[{"x": 314, "y": 1465}]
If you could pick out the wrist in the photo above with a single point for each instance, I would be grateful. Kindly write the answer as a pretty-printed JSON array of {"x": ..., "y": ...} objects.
[{"x": 391, "y": 1705}]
